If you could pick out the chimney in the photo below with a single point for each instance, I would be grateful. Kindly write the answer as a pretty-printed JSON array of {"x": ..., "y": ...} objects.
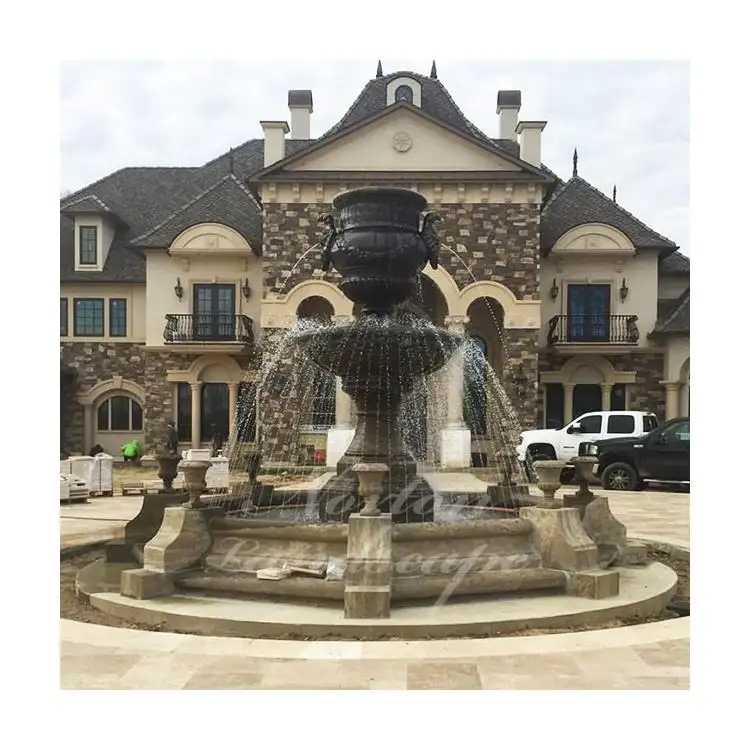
[
  {"x": 301, "y": 107},
  {"x": 273, "y": 148},
  {"x": 508, "y": 105},
  {"x": 531, "y": 141}
]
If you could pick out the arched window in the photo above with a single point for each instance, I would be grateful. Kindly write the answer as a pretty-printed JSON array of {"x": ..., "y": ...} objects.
[
  {"x": 475, "y": 390},
  {"x": 404, "y": 94},
  {"x": 119, "y": 414}
]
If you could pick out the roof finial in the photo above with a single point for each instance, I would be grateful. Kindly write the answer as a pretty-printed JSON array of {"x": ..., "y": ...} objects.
[
  {"x": 433, "y": 71},
  {"x": 379, "y": 71},
  {"x": 614, "y": 194},
  {"x": 231, "y": 160},
  {"x": 575, "y": 162}
]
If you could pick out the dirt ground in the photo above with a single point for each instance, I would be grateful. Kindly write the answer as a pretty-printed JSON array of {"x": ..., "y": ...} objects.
[{"x": 73, "y": 609}]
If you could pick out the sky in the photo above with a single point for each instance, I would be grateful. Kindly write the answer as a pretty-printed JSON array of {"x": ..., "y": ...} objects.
[{"x": 628, "y": 120}]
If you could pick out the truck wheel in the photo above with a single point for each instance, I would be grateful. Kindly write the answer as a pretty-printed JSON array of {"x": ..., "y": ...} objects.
[{"x": 620, "y": 476}]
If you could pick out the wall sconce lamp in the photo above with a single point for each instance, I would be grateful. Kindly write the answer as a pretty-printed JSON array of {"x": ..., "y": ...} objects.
[
  {"x": 246, "y": 289},
  {"x": 178, "y": 290},
  {"x": 624, "y": 290},
  {"x": 555, "y": 290}
]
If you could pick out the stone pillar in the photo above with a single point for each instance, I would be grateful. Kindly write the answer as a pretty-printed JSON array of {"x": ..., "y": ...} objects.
[
  {"x": 455, "y": 443},
  {"x": 673, "y": 398},
  {"x": 568, "y": 402},
  {"x": 606, "y": 396},
  {"x": 195, "y": 424},
  {"x": 88, "y": 428},
  {"x": 369, "y": 567},
  {"x": 233, "y": 391}
]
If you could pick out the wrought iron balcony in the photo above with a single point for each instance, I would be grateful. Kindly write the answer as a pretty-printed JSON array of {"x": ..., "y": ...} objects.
[
  {"x": 593, "y": 329},
  {"x": 208, "y": 327}
]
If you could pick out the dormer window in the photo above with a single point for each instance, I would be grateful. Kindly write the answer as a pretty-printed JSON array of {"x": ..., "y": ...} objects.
[
  {"x": 88, "y": 245},
  {"x": 403, "y": 89},
  {"x": 404, "y": 94}
]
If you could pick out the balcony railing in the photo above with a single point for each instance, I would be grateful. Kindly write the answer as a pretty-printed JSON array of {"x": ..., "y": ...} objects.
[
  {"x": 593, "y": 329},
  {"x": 207, "y": 327}
]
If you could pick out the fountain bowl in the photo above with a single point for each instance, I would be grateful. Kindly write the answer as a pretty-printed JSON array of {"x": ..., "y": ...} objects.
[
  {"x": 373, "y": 345},
  {"x": 379, "y": 247}
]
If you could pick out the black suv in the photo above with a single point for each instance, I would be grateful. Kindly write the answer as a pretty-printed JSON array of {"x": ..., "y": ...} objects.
[{"x": 660, "y": 457}]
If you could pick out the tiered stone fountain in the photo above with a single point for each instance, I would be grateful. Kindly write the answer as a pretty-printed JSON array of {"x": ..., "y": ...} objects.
[{"x": 376, "y": 543}]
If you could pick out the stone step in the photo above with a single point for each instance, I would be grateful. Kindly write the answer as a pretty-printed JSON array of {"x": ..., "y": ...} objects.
[{"x": 246, "y": 583}]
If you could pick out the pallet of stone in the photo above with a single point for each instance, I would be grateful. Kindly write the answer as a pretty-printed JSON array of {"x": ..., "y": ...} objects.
[{"x": 141, "y": 487}]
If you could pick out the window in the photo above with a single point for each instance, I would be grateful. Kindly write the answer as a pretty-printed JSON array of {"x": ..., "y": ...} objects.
[
  {"x": 118, "y": 309},
  {"x": 184, "y": 412},
  {"x": 246, "y": 413},
  {"x": 591, "y": 425},
  {"x": 650, "y": 423},
  {"x": 87, "y": 246},
  {"x": 119, "y": 414},
  {"x": 475, "y": 393},
  {"x": 677, "y": 433},
  {"x": 555, "y": 403},
  {"x": 63, "y": 316},
  {"x": 88, "y": 317},
  {"x": 621, "y": 424},
  {"x": 323, "y": 415},
  {"x": 404, "y": 94}
]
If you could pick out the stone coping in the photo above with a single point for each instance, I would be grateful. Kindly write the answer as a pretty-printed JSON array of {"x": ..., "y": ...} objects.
[{"x": 644, "y": 592}]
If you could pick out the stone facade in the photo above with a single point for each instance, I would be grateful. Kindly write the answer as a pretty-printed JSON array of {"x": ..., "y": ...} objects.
[
  {"x": 522, "y": 358},
  {"x": 487, "y": 241},
  {"x": 160, "y": 394},
  {"x": 94, "y": 363}
]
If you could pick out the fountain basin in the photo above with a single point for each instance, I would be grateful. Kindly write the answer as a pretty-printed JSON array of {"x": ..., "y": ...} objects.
[
  {"x": 376, "y": 349},
  {"x": 468, "y": 557}
]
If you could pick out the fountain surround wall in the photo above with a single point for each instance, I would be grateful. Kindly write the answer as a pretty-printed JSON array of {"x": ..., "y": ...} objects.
[{"x": 383, "y": 241}]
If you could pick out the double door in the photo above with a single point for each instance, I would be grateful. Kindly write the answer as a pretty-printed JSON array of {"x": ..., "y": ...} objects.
[
  {"x": 214, "y": 309},
  {"x": 588, "y": 312}
]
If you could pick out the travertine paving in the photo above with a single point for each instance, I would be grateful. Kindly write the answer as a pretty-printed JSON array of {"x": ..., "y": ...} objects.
[{"x": 651, "y": 656}]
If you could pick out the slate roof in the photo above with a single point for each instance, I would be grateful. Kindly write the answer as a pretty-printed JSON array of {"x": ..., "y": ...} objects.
[
  {"x": 676, "y": 317},
  {"x": 436, "y": 101},
  {"x": 227, "y": 202},
  {"x": 577, "y": 202},
  {"x": 675, "y": 263}
]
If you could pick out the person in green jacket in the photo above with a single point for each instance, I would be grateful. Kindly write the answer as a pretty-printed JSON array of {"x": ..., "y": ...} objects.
[{"x": 131, "y": 451}]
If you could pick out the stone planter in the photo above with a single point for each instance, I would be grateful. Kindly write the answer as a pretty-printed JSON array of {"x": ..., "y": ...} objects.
[
  {"x": 195, "y": 481},
  {"x": 549, "y": 482},
  {"x": 370, "y": 478},
  {"x": 584, "y": 466},
  {"x": 168, "y": 469}
]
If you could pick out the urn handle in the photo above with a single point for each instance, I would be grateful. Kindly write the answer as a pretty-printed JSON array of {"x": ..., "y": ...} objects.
[
  {"x": 328, "y": 240},
  {"x": 429, "y": 236}
]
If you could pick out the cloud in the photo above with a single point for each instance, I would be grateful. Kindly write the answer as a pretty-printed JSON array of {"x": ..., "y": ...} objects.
[{"x": 628, "y": 120}]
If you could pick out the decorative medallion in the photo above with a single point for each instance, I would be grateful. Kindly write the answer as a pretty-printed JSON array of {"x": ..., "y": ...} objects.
[{"x": 402, "y": 141}]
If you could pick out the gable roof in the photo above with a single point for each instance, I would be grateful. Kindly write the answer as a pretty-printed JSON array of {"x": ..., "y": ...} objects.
[
  {"x": 577, "y": 202},
  {"x": 675, "y": 263},
  {"x": 676, "y": 318},
  {"x": 226, "y": 202},
  {"x": 528, "y": 170}
]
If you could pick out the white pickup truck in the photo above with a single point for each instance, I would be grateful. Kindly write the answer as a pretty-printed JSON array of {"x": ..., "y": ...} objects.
[{"x": 564, "y": 444}]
